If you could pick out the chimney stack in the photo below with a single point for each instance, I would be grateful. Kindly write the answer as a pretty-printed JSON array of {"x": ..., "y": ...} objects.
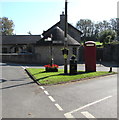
[{"x": 62, "y": 21}]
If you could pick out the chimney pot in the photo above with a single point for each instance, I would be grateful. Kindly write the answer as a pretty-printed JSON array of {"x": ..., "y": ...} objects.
[{"x": 62, "y": 20}]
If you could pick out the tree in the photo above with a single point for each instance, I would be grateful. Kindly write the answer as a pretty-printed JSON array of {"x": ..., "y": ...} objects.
[
  {"x": 86, "y": 26},
  {"x": 91, "y": 30},
  {"x": 106, "y": 25},
  {"x": 113, "y": 23},
  {"x": 107, "y": 36},
  {"x": 6, "y": 26}
]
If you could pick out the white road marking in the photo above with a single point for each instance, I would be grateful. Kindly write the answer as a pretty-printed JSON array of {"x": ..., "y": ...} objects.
[
  {"x": 87, "y": 114},
  {"x": 42, "y": 87},
  {"x": 68, "y": 115},
  {"x": 90, "y": 104},
  {"x": 58, "y": 106},
  {"x": 23, "y": 67},
  {"x": 51, "y": 98},
  {"x": 46, "y": 92}
]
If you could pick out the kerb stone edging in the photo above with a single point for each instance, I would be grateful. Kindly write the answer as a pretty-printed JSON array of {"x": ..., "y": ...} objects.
[{"x": 34, "y": 79}]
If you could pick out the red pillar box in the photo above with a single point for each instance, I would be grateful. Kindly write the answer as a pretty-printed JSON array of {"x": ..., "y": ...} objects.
[{"x": 90, "y": 56}]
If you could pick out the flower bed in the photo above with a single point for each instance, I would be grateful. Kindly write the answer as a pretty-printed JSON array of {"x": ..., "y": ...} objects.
[{"x": 51, "y": 68}]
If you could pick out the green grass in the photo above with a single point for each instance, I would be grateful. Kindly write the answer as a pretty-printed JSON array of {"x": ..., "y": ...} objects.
[
  {"x": 98, "y": 43},
  {"x": 58, "y": 77}
]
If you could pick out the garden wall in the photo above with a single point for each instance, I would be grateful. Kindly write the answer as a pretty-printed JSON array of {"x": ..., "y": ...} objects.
[
  {"x": 15, "y": 58},
  {"x": 108, "y": 54},
  {"x": 41, "y": 56}
]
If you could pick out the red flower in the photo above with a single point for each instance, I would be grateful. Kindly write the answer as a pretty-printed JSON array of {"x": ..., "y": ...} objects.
[{"x": 53, "y": 66}]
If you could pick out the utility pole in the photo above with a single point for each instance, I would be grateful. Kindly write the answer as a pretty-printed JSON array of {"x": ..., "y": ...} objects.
[
  {"x": 65, "y": 37},
  {"x": 51, "y": 51},
  {"x": 66, "y": 27}
]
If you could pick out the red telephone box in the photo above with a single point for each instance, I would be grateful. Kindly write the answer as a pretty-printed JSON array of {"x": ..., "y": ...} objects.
[{"x": 90, "y": 56}]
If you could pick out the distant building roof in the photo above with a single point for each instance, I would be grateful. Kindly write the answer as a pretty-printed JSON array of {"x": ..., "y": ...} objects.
[
  {"x": 57, "y": 38},
  {"x": 58, "y": 24},
  {"x": 20, "y": 39},
  {"x": 73, "y": 33}
]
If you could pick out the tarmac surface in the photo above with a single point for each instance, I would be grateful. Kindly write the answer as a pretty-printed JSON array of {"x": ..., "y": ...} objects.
[{"x": 22, "y": 98}]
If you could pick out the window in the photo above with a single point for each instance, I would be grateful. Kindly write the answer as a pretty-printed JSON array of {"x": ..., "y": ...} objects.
[{"x": 75, "y": 51}]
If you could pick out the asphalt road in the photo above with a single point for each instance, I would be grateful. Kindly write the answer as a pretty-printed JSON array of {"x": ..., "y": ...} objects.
[
  {"x": 73, "y": 96},
  {"x": 22, "y": 98}
]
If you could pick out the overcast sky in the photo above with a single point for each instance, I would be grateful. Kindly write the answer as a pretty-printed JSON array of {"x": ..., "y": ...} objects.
[{"x": 39, "y": 15}]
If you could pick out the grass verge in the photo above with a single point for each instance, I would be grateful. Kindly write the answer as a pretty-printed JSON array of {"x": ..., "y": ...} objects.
[
  {"x": 98, "y": 43},
  {"x": 45, "y": 78}
]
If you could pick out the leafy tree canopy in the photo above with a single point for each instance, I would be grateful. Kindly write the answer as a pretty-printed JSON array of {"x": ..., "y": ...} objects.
[
  {"x": 6, "y": 26},
  {"x": 92, "y": 30},
  {"x": 107, "y": 36}
]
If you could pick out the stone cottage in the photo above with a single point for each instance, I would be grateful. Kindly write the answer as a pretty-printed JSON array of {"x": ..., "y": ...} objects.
[
  {"x": 43, "y": 47},
  {"x": 18, "y": 43}
]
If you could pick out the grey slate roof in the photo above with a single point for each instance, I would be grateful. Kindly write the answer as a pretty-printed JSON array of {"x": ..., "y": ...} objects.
[
  {"x": 58, "y": 24},
  {"x": 20, "y": 39},
  {"x": 57, "y": 38}
]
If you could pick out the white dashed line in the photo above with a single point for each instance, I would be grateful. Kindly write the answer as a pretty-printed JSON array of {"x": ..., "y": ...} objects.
[
  {"x": 23, "y": 67},
  {"x": 42, "y": 87},
  {"x": 68, "y": 115},
  {"x": 46, "y": 92},
  {"x": 87, "y": 114},
  {"x": 58, "y": 106},
  {"x": 51, "y": 98}
]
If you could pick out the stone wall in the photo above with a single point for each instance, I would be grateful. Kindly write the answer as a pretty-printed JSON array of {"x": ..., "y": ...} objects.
[
  {"x": 81, "y": 54},
  {"x": 41, "y": 56},
  {"x": 15, "y": 58},
  {"x": 45, "y": 54},
  {"x": 108, "y": 54}
]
